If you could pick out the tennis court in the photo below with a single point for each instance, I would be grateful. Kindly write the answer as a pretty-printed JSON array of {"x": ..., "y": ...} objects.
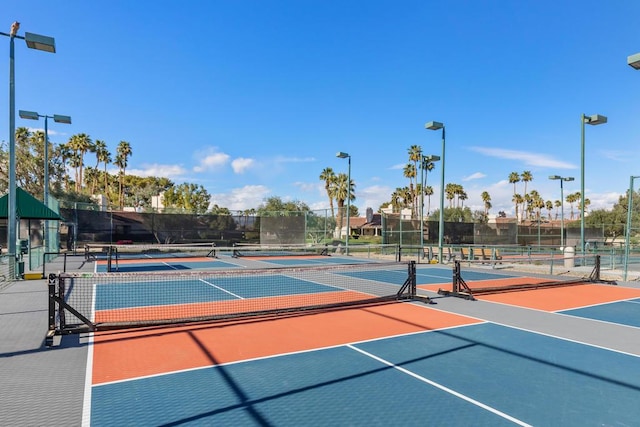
[
  {"x": 381, "y": 361},
  {"x": 140, "y": 258},
  {"x": 393, "y": 365}
]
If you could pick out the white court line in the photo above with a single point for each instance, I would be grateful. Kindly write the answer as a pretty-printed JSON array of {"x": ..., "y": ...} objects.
[
  {"x": 221, "y": 289},
  {"x": 443, "y": 388}
]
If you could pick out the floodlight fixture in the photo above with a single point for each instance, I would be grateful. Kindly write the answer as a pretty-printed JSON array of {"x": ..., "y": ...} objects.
[
  {"x": 39, "y": 42},
  {"x": 434, "y": 126},
  {"x": 30, "y": 115},
  {"x": 634, "y": 61},
  {"x": 61, "y": 119}
]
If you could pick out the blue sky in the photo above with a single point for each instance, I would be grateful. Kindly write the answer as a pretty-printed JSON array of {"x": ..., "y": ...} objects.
[{"x": 253, "y": 99}]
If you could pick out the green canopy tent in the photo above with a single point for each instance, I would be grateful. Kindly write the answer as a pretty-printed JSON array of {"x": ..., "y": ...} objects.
[{"x": 28, "y": 207}]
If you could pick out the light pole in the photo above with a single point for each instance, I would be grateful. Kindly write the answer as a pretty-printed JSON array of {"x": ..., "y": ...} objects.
[
  {"x": 562, "y": 179},
  {"x": 343, "y": 155},
  {"x": 627, "y": 235},
  {"x": 32, "y": 115},
  {"x": 34, "y": 41},
  {"x": 436, "y": 126},
  {"x": 593, "y": 120},
  {"x": 424, "y": 165}
]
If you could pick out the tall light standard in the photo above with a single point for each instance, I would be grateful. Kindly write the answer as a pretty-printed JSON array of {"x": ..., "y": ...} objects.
[
  {"x": 627, "y": 234},
  {"x": 32, "y": 115},
  {"x": 436, "y": 126},
  {"x": 426, "y": 161},
  {"x": 562, "y": 179},
  {"x": 593, "y": 120},
  {"x": 343, "y": 155},
  {"x": 34, "y": 41}
]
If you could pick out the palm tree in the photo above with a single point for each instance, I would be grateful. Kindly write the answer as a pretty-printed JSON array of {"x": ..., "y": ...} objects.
[
  {"x": 124, "y": 151},
  {"x": 342, "y": 191},
  {"x": 526, "y": 177},
  {"x": 450, "y": 193},
  {"x": 571, "y": 199},
  {"x": 100, "y": 148},
  {"x": 557, "y": 205},
  {"x": 410, "y": 172},
  {"x": 328, "y": 176},
  {"x": 517, "y": 199},
  {"x": 486, "y": 199},
  {"x": 549, "y": 205},
  {"x": 514, "y": 178},
  {"x": 428, "y": 191},
  {"x": 80, "y": 143}
]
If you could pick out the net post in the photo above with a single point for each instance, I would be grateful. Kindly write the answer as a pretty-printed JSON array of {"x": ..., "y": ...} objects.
[
  {"x": 398, "y": 253},
  {"x": 456, "y": 276},
  {"x": 109, "y": 259},
  {"x": 412, "y": 276},
  {"x": 51, "y": 332}
]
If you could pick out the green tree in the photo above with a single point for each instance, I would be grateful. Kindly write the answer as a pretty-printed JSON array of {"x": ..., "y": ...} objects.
[
  {"x": 188, "y": 197},
  {"x": 486, "y": 199},
  {"x": 328, "y": 176},
  {"x": 124, "y": 152}
]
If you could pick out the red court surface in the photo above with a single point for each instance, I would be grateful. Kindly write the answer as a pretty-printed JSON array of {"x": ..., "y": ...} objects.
[
  {"x": 553, "y": 298},
  {"x": 122, "y": 355}
]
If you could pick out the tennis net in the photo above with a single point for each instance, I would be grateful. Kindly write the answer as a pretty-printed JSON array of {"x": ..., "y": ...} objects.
[
  {"x": 98, "y": 301},
  {"x": 257, "y": 251},
  {"x": 472, "y": 278},
  {"x": 113, "y": 254}
]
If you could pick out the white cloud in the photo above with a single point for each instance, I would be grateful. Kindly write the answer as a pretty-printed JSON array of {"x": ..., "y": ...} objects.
[
  {"x": 372, "y": 197},
  {"x": 167, "y": 171},
  {"x": 241, "y": 164},
  {"x": 210, "y": 160},
  {"x": 240, "y": 199},
  {"x": 282, "y": 159},
  {"x": 477, "y": 175},
  {"x": 529, "y": 159}
]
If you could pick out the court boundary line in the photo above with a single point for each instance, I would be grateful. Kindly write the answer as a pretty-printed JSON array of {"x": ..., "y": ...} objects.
[
  {"x": 290, "y": 353},
  {"x": 539, "y": 332},
  {"x": 560, "y": 313},
  {"x": 545, "y": 311},
  {"x": 443, "y": 388},
  {"x": 601, "y": 303},
  {"x": 601, "y": 347},
  {"x": 88, "y": 385},
  {"x": 213, "y": 285}
]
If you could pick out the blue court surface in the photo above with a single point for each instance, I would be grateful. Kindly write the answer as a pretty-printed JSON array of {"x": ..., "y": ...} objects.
[
  {"x": 166, "y": 265},
  {"x": 424, "y": 275},
  {"x": 482, "y": 374},
  {"x": 202, "y": 289},
  {"x": 620, "y": 312},
  {"x": 314, "y": 260}
]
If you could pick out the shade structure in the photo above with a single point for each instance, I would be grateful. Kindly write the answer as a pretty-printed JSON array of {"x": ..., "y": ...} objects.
[{"x": 28, "y": 207}]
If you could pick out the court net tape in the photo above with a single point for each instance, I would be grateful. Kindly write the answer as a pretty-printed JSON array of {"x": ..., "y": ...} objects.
[
  {"x": 80, "y": 302},
  {"x": 470, "y": 280}
]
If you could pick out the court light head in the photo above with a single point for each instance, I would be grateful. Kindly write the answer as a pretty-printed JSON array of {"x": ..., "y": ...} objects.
[
  {"x": 30, "y": 115},
  {"x": 595, "y": 119},
  {"x": 634, "y": 61},
  {"x": 434, "y": 125},
  {"x": 61, "y": 119},
  {"x": 555, "y": 177},
  {"x": 39, "y": 42},
  {"x": 342, "y": 155}
]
